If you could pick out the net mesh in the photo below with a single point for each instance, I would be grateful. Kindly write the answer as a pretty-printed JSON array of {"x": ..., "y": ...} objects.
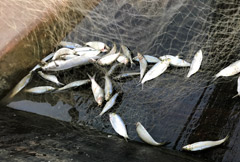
[{"x": 173, "y": 27}]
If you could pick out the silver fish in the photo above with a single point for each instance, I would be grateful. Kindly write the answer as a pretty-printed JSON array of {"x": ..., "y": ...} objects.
[
  {"x": 62, "y": 51},
  {"x": 143, "y": 65},
  {"x": 97, "y": 91},
  {"x": 108, "y": 59},
  {"x": 108, "y": 89},
  {"x": 175, "y": 61},
  {"x": 67, "y": 57},
  {"x": 145, "y": 136},
  {"x": 125, "y": 75},
  {"x": 127, "y": 53},
  {"x": 51, "y": 78},
  {"x": 67, "y": 64},
  {"x": 88, "y": 53},
  {"x": 98, "y": 46},
  {"x": 113, "y": 50},
  {"x": 69, "y": 44},
  {"x": 230, "y": 70},
  {"x": 118, "y": 125},
  {"x": 109, "y": 104},
  {"x": 149, "y": 59},
  {"x": 112, "y": 69},
  {"x": 238, "y": 88},
  {"x": 198, "y": 146},
  {"x": 24, "y": 81},
  {"x": 73, "y": 84},
  {"x": 123, "y": 59},
  {"x": 156, "y": 70},
  {"x": 40, "y": 89},
  {"x": 196, "y": 63}
]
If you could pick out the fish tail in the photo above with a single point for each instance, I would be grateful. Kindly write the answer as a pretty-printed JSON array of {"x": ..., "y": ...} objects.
[
  {"x": 226, "y": 138},
  {"x": 235, "y": 95}
]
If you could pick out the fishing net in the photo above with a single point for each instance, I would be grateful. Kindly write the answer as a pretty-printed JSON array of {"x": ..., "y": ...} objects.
[{"x": 167, "y": 27}]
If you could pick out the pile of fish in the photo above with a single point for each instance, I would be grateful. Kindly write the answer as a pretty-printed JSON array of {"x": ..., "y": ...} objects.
[{"x": 72, "y": 55}]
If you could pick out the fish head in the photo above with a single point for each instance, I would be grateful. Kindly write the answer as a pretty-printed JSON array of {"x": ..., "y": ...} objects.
[
  {"x": 137, "y": 124},
  {"x": 107, "y": 96},
  {"x": 187, "y": 147},
  {"x": 100, "y": 100}
]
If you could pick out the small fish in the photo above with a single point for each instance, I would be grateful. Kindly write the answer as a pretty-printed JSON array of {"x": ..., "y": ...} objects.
[
  {"x": 43, "y": 61},
  {"x": 69, "y": 44},
  {"x": 98, "y": 46},
  {"x": 40, "y": 89},
  {"x": 84, "y": 49},
  {"x": 143, "y": 65},
  {"x": 150, "y": 59},
  {"x": 88, "y": 53},
  {"x": 51, "y": 78},
  {"x": 123, "y": 59},
  {"x": 24, "y": 81},
  {"x": 238, "y": 87},
  {"x": 108, "y": 89},
  {"x": 59, "y": 65},
  {"x": 127, "y": 53},
  {"x": 109, "y": 104},
  {"x": 175, "y": 61},
  {"x": 113, "y": 50},
  {"x": 73, "y": 84},
  {"x": 230, "y": 70},
  {"x": 145, "y": 136},
  {"x": 67, "y": 57},
  {"x": 125, "y": 75},
  {"x": 198, "y": 146},
  {"x": 118, "y": 125},
  {"x": 112, "y": 69},
  {"x": 97, "y": 91},
  {"x": 108, "y": 59},
  {"x": 62, "y": 51},
  {"x": 196, "y": 63},
  {"x": 156, "y": 70}
]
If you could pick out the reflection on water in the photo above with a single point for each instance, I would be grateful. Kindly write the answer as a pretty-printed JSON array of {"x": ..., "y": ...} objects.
[{"x": 171, "y": 107}]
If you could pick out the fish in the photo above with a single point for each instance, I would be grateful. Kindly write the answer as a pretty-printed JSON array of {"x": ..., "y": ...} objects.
[
  {"x": 62, "y": 51},
  {"x": 175, "y": 61},
  {"x": 88, "y": 53},
  {"x": 97, "y": 91},
  {"x": 238, "y": 88},
  {"x": 230, "y": 70},
  {"x": 198, "y": 146},
  {"x": 118, "y": 125},
  {"x": 149, "y": 59},
  {"x": 108, "y": 59},
  {"x": 40, "y": 89},
  {"x": 51, "y": 78},
  {"x": 196, "y": 63},
  {"x": 143, "y": 65},
  {"x": 113, "y": 50},
  {"x": 112, "y": 69},
  {"x": 125, "y": 75},
  {"x": 84, "y": 49},
  {"x": 156, "y": 70},
  {"x": 98, "y": 46},
  {"x": 145, "y": 136},
  {"x": 73, "y": 84},
  {"x": 109, "y": 104},
  {"x": 59, "y": 65},
  {"x": 127, "y": 53},
  {"x": 123, "y": 59},
  {"x": 69, "y": 44},
  {"x": 108, "y": 89},
  {"x": 43, "y": 61},
  {"x": 67, "y": 57},
  {"x": 23, "y": 82}
]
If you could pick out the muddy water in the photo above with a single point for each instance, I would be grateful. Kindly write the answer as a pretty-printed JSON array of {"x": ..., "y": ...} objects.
[{"x": 171, "y": 107}]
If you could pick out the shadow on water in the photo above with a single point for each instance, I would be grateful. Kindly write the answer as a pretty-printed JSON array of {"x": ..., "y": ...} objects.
[{"x": 171, "y": 107}]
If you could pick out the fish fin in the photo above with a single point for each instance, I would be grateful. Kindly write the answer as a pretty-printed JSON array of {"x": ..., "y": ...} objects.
[
  {"x": 164, "y": 143},
  {"x": 132, "y": 64},
  {"x": 60, "y": 84},
  {"x": 226, "y": 138},
  {"x": 235, "y": 95},
  {"x": 90, "y": 76}
]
